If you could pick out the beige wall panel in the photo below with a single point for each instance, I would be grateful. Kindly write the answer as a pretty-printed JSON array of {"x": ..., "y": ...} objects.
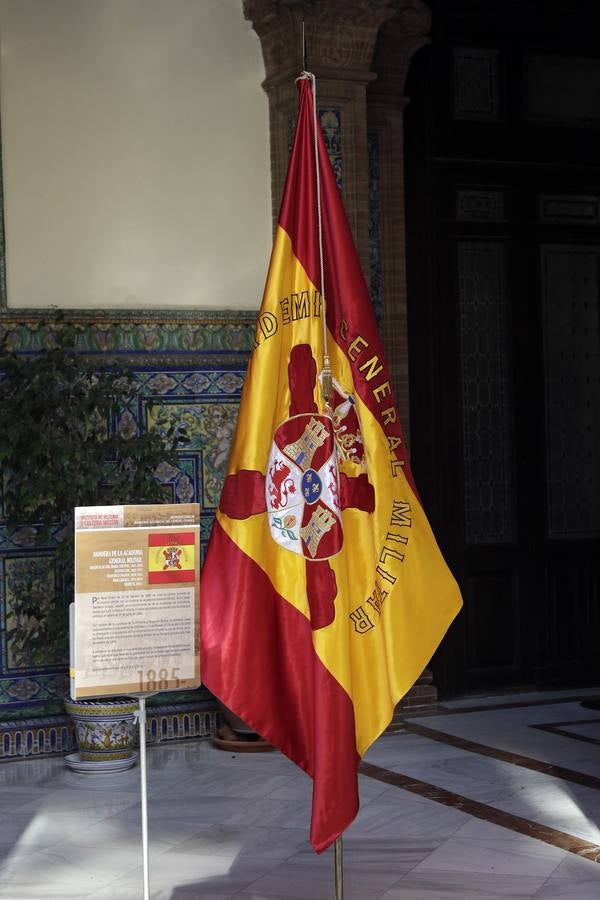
[{"x": 135, "y": 154}]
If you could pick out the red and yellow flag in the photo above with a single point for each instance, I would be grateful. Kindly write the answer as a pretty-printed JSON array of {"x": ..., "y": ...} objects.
[
  {"x": 324, "y": 593},
  {"x": 171, "y": 557}
]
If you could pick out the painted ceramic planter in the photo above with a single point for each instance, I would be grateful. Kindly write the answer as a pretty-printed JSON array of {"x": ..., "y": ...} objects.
[{"x": 105, "y": 729}]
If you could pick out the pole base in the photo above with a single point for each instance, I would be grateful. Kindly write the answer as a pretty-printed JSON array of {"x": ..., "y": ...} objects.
[{"x": 228, "y": 739}]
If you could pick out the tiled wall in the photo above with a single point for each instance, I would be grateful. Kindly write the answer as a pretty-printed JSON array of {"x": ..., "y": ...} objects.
[
  {"x": 188, "y": 367},
  {"x": 41, "y": 735}
]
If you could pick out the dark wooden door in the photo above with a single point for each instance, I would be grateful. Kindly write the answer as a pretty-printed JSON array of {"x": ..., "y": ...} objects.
[
  {"x": 503, "y": 216},
  {"x": 570, "y": 542}
]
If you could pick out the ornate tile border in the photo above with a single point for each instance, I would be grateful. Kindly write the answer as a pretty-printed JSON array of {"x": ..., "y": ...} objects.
[
  {"x": 135, "y": 333},
  {"x": 41, "y": 736}
]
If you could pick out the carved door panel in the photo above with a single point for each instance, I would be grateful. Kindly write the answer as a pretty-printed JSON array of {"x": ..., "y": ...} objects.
[
  {"x": 503, "y": 277},
  {"x": 506, "y": 443},
  {"x": 570, "y": 295},
  {"x": 492, "y": 562},
  {"x": 527, "y": 415}
]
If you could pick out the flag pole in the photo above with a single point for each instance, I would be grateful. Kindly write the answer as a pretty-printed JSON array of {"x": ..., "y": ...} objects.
[
  {"x": 339, "y": 871},
  {"x": 326, "y": 382},
  {"x": 144, "y": 783}
]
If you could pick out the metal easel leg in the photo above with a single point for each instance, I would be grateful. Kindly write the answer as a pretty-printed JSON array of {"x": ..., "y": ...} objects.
[
  {"x": 339, "y": 871},
  {"x": 144, "y": 785}
]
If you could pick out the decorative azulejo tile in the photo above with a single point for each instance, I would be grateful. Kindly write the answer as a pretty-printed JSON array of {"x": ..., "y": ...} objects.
[
  {"x": 54, "y": 734},
  {"x": 189, "y": 369},
  {"x": 331, "y": 126},
  {"x": 330, "y": 120}
]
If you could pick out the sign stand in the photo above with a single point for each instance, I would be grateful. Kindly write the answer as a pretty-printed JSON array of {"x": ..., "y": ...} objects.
[
  {"x": 144, "y": 790},
  {"x": 134, "y": 624},
  {"x": 339, "y": 870}
]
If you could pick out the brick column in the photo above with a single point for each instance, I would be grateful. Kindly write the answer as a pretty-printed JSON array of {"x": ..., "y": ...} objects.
[
  {"x": 340, "y": 39},
  {"x": 398, "y": 40}
]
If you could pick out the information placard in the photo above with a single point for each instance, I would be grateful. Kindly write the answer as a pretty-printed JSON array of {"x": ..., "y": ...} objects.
[{"x": 137, "y": 591}]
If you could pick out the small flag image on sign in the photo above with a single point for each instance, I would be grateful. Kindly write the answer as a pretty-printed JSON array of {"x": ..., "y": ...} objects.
[{"x": 171, "y": 557}]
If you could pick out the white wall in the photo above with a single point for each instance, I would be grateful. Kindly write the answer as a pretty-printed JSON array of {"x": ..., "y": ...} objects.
[{"x": 135, "y": 154}]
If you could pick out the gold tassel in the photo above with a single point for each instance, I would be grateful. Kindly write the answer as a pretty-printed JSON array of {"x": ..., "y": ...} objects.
[{"x": 326, "y": 379}]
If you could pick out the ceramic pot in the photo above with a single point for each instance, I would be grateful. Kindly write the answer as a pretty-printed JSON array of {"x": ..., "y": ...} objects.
[
  {"x": 234, "y": 722},
  {"x": 105, "y": 729}
]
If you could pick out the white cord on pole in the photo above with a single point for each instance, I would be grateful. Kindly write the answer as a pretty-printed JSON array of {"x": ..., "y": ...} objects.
[{"x": 326, "y": 373}]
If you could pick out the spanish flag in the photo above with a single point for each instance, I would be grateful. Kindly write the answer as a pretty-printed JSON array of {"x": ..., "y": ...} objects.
[
  {"x": 171, "y": 557},
  {"x": 324, "y": 593}
]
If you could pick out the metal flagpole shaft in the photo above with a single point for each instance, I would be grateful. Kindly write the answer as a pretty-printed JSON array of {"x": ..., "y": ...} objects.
[
  {"x": 142, "y": 721},
  {"x": 339, "y": 870}
]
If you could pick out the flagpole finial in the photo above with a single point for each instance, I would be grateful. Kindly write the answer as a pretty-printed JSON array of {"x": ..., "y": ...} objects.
[
  {"x": 326, "y": 379},
  {"x": 303, "y": 48}
]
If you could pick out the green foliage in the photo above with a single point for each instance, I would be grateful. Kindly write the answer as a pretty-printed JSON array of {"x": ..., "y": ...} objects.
[{"x": 57, "y": 451}]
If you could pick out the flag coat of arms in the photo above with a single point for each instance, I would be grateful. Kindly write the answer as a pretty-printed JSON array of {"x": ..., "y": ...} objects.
[
  {"x": 171, "y": 557},
  {"x": 324, "y": 594}
]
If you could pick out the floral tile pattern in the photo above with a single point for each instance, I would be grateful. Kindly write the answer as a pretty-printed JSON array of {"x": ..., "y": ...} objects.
[
  {"x": 55, "y": 734},
  {"x": 34, "y": 577},
  {"x": 126, "y": 332}
]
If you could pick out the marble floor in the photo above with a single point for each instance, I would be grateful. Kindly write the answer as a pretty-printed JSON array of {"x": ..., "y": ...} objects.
[{"x": 483, "y": 800}]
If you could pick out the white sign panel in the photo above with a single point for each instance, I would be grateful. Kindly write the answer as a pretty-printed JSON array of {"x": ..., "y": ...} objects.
[{"x": 137, "y": 586}]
